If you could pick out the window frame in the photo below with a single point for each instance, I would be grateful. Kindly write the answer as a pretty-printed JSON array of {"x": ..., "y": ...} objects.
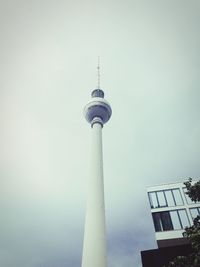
[
  {"x": 194, "y": 208},
  {"x": 175, "y": 197},
  {"x": 164, "y": 194},
  {"x": 190, "y": 202},
  {"x": 161, "y": 219}
]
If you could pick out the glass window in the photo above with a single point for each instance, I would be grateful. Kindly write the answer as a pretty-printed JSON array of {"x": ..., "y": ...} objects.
[
  {"x": 161, "y": 199},
  {"x": 183, "y": 218},
  {"x": 177, "y": 197},
  {"x": 175, "y": 220},
  {"x": 188, "y": 199},
  {"x": 162, "y": 221},
  {"x": 169, "y": 197},
  {"x": 153, "y": 200},
  {"x": 157, "y": 221},
  {"x": 166, "y": 221},
  {"x": 194, "y": 212}
]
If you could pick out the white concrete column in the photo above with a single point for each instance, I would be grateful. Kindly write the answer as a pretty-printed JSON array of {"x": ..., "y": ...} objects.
[{"x": 94, "y": 246}]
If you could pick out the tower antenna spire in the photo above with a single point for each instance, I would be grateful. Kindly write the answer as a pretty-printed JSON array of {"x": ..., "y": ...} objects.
[{"x": 98, "y": 73}]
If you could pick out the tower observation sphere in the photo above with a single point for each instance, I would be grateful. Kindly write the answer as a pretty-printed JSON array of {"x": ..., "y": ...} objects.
[{"x": 97, "y": 109}]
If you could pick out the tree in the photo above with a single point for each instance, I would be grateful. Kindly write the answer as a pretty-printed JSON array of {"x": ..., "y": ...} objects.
[
  {"x": 191, "y": 233},
  {"x": 193, "y": 190}
]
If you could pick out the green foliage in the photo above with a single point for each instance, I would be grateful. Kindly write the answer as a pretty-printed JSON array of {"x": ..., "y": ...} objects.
[
  {"x": 191, "y": 233},
  {"x": 193, "y": 191},
  {"x": 192, "y": 260},
  {"x": 180, "y": 261}
]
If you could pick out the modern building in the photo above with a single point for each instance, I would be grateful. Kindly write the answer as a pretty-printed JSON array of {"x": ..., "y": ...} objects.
[
  {"x": 172, "y": 210},
  {"x": 97, "y": 112}
]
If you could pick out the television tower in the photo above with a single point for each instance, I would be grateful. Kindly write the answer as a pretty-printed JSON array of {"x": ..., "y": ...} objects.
[{"x": 97, "y": 112}]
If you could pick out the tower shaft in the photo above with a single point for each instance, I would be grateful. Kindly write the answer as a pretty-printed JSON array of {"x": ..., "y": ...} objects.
[
  {"x": 97, "y": 112},
  {"x": 94, "y": 247}
]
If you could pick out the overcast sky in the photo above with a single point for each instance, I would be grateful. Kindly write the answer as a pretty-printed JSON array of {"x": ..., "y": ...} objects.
[{"x": 150, "y": 73}]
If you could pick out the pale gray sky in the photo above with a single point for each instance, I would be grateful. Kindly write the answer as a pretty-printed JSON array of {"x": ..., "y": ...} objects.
[{"x": 150, "y": 74}]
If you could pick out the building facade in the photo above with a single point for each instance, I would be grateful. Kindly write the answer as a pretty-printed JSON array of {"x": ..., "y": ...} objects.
[{"x": 172, "y": 210}]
